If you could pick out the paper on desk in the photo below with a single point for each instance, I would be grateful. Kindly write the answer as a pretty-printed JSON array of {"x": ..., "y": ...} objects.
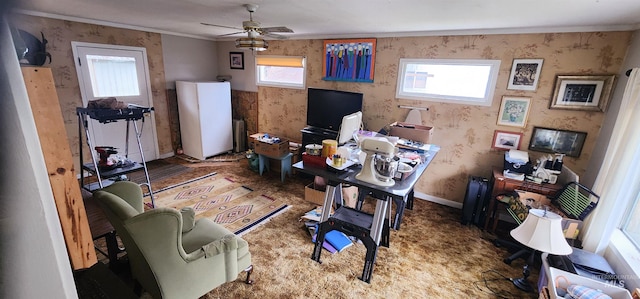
[{"x": 518, "y": 156}]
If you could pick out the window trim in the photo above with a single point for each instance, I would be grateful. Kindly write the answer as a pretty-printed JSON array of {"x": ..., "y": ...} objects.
[
  {"x": 489, "y": 93},
  {"x": 282, "y": 61}
]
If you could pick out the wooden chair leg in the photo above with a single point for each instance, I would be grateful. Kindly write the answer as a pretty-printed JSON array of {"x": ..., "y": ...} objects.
[{"x": 249, "y": 270}]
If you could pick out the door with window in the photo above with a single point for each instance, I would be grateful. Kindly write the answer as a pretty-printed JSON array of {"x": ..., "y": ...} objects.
[{"x": 121, "y": 72}]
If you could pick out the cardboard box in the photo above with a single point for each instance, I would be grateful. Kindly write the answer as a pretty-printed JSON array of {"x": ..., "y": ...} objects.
[
  {"x": 314, "y": 195},
  {"x": 411, "y": 131},
  {"x": 272, "y": 149}
]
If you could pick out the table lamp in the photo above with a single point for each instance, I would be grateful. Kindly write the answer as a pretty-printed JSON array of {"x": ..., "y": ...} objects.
[{"x": 540, "y": 231}]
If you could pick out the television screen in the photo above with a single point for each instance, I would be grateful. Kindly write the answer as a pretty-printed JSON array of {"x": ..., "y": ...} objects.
[{"x": 326, "y": 108}]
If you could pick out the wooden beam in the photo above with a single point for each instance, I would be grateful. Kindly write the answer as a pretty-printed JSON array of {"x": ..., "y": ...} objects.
[{"x": 62, "y": 176}]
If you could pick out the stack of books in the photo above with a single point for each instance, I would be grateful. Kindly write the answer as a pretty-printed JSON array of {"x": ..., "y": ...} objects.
[{"x": 334, "y": 241}]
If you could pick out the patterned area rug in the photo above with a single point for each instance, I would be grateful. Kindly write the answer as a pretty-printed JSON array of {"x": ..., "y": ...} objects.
[
  {"x": 222, "y": 199},
  {"x": 159, "y": 170}
]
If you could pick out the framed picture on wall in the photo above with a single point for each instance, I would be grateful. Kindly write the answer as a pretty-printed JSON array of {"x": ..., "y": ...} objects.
[
  {"x": 236, "y": 60},
  {"x": 504, "y": 140},
  {"x": 514, "y": 111},
  {"x": 549, "y": 140},
  {"x": 525, "y": 74},
  {"x": 590, "y": 93},
  {"x": 351, "y": 60}
]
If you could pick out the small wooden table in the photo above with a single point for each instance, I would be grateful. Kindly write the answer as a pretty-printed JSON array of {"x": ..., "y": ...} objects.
[{"x": 502, "y": 184}]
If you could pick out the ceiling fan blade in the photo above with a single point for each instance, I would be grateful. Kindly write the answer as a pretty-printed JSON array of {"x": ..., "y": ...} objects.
[
  {"x": 223, "y": 26},
  {"x": 231, "y": 33},
  {"x": 276, "y": 29},
  {"x": 276, "y": 36}
]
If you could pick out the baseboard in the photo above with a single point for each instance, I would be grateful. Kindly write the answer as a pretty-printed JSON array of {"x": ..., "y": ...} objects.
[
  {"x": 167, "y": 155},
  {"x": 438, "y": 200}
]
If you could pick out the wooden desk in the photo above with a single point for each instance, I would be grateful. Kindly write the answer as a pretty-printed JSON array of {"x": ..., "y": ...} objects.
[{"x": 501, "y": 185}]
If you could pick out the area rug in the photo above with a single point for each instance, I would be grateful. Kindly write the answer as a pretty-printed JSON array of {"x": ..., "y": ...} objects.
[
  {"x": 222, "y": 199},
  {"x": 159, "y": 170}
]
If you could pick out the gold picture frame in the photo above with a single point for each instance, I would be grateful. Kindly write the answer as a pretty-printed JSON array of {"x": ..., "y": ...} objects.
[{"x": 589, "y": 93}]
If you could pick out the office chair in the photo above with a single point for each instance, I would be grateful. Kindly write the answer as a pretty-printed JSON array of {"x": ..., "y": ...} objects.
[{"x": 574, "y": 200}]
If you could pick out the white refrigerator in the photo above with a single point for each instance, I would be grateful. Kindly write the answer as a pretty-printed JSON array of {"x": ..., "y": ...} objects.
[{"x": 204, "y": 109}]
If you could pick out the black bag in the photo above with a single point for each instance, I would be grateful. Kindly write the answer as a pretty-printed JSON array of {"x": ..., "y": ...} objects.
[{"x": 476, "y": 200}]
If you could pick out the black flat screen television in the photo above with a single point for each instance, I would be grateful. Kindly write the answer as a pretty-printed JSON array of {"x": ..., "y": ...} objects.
[{"x": 325, "y": 108}]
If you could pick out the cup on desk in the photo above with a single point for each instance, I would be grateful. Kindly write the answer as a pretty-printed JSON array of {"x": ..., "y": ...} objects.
[{"x": 338, "y": 160}]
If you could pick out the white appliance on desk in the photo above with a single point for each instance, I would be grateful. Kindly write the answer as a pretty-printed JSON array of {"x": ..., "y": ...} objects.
[{"x": 206, "y": 126}]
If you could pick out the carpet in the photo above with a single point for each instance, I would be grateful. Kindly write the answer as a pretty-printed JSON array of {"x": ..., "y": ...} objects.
[
  {"x": 224, "y": 200},
  {"x": 158, "y": 170}
]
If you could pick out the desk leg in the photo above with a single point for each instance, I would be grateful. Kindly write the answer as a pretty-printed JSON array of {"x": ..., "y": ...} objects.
[
  {"x": 400, "y": 206},
  {"x": 361, "y": 196},
  {"x": 410, "y": 198},
  {"x": 369, "y": 260},
  {"x": 491, "y": 214},
  {"x": 379, "y": 216},
  {"x": 317, "y": 248}
]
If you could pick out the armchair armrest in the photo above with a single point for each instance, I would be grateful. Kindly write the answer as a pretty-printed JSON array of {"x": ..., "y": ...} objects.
[
  {"x": 188, "y": 219},
  {"x": 226, "y": 244}
]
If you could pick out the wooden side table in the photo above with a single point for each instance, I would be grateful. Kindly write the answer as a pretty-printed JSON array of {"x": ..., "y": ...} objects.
[{"x": 502, "y": 184}]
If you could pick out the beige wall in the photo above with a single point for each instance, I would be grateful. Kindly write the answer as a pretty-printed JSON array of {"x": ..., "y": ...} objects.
[
  {"x": 464, "y": 133},
  {"x": 61, "y": 33}
]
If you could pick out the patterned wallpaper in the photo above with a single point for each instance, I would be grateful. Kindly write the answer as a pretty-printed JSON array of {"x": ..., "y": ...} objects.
[
  {"x": 464, "y": 133},
  {"x": 61, "y": 33}
]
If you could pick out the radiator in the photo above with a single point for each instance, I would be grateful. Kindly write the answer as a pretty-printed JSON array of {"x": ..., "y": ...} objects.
[{"x": 239, "y": 135}]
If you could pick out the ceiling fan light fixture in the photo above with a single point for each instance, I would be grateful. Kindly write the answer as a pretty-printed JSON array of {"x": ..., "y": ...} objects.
[{"x": 252, "y": 43}]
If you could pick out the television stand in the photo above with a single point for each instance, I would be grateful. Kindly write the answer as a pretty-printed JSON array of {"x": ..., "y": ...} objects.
[{"x": 315, "y": 135}]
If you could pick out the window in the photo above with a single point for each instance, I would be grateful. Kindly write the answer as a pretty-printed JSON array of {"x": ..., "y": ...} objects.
[
  {"x": 461, "y": 81},
  {"x": 281, "y": 71},
  {"x": 631, "y": 226},
  {"x": 113, "y": 76}
]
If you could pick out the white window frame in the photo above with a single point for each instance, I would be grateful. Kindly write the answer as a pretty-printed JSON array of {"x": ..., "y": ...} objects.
[
  {"x": 487, "y": 100},
  {"x": 300, "y": 59}
]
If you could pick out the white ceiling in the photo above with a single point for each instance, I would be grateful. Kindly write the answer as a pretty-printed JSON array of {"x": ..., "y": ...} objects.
[{"x": 349, "y": 18}]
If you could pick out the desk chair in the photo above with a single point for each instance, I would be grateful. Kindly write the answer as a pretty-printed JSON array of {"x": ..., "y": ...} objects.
[{"x": 574, "y": 200}]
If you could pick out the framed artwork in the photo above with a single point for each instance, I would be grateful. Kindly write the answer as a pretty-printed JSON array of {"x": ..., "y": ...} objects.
[
  {"x": 525, "y": 74},
  {"x": 504, "y": 140},
  {"x": 349, "y": 60},
  {"x": 589, "y": 93},
  {"x": 514, "y": 111},
  {"x": 236, "y": 60},
  {"x": 566, "y": 142}
]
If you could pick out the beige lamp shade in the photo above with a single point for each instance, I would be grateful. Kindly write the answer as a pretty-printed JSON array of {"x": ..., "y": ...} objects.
[{"x": 542, "y": 231}]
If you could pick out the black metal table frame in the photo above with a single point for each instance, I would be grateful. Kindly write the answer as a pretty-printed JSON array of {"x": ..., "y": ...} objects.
[
  {"x": 107, "y": 116},
  {"x": 378, "y": 231}
]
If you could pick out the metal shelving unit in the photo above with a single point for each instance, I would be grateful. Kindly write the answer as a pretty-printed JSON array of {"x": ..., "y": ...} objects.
[{"x": 106, "y": 116}]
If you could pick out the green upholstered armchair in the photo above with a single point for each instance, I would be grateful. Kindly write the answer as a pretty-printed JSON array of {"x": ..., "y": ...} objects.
[{"x": 171, "y": 254}]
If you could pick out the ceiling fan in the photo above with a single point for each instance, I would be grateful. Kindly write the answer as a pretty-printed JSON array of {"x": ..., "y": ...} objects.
[{"x": 253, "y": 29}]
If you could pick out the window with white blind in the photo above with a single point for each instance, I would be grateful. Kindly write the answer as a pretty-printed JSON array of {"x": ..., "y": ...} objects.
[
  {"x": 459, "y": 81},
  {"x": 281, "y": 71}
]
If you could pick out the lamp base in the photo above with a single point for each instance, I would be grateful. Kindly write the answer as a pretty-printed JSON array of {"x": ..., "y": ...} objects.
[{"x": 523, "y": 284}]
